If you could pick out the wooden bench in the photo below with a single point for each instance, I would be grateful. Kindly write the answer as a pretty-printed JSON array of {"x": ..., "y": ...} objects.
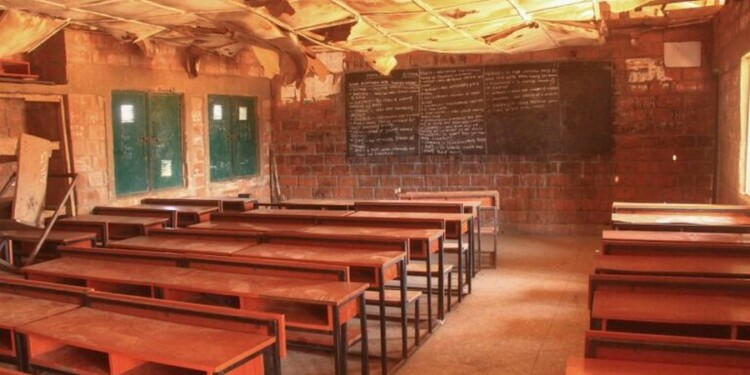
[
  {"x": 109, "y": 227},
  {"x": 310, "y": 305},
  {"x": 674, "y": 265},
  {"x": 315, "y": 204},
  {"x": 729, "y": 222},
  {"x": 631, "y": 242},
  {"x": 224, "y": 204},
  {"x": 392, "y": 298},
  {"x": 667, "y": 349},
  {"x": 186, "y": 214},
  {"x": 593, "y": 366}
]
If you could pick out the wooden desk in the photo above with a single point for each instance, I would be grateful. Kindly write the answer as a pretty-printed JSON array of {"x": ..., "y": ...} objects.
[
  {"x": 306, "y": 213},
  {"x": 317, "y": 305},
  {"x": 719, "y": 316},
  {"x": 674, "y": 243},
  {"x": 659, "y": 265},
  {"x": 187, "y": 244},
  {"x": 94, "y": 341},
  {"x": 490, "y": 201},
  {"x": 110, "y": 227},
  {"x": 186, "y": 215},
  {"x": 26, "y": 239},
  {"x": 315, "y": 204},
  {"x": 170, "y": 215},
  {"x": 641, "y": 207},
  {"x": 456, "y": 225},
  {"x": 249, "y": 226},
  {"x": 224, "y": 204},
  {"x": 18, "y": 310},
  {"x": 592, "y": 366},
  {"x": 370, "y": 266},
  {"x": 727, "y": 222},
  {"x": 423, "y": 244}
]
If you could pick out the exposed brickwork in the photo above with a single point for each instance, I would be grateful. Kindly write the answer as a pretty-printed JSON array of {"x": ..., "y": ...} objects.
[
  {"x": 732, "y": 35},
  {"x": 657, "y": 117}
]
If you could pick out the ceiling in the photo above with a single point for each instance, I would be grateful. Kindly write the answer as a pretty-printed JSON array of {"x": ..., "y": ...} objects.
[{"x": 295, "y": 30}]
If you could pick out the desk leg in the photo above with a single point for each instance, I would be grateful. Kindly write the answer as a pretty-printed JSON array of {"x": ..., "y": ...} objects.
[
  {"x": 337, "y": 355},
  {"x": 363, "y": 328},
  {"x": 404, "y": 320},
  {"x": 478, "y": 239},
  {"x": 470, "y": 255},
  {"x": 429, "y": 292},
  {"x": 383, "y": 338},
  {"x": 441, "y": 279},
  {"x": 22, "y": 350},
  {"x": 344, "y": 347},
  {"x": 460, "y": 267}
]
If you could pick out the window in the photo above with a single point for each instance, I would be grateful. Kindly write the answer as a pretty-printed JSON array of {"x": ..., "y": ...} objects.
[
  {"x": 232, "y": 137},
  {"x": 147, "y": 133}
]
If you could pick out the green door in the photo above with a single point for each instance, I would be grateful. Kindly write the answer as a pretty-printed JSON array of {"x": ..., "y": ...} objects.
[
  {"x": 130, "y": 133},
  {"x": 166, "y": 142},
  {"x": 220, "y": 137},
  {"x": 245, "y": 149}
]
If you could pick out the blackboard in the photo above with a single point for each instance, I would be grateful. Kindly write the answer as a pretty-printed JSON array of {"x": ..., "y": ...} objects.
[{"x": 504, "y": 109}]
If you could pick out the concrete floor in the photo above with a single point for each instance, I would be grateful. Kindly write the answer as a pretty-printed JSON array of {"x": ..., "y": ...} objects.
[{"x": 524, "y": 318}]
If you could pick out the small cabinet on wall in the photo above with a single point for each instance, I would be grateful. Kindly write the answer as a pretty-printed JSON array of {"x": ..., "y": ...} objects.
[
  {"x": 147, "y": 132},
  {"x": 232, "y": 137}
]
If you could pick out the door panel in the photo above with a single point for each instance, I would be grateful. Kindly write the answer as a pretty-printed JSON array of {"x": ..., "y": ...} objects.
[
  {"x": 246, "y": 149},
  {"x": 166, "y": 140},
  {"x": 130, "y": 134},
  {"x": 220, "y": 137}
]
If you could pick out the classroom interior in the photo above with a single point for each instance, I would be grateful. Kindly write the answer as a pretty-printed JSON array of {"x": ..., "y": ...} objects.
[{"x": 380, "y": 186}]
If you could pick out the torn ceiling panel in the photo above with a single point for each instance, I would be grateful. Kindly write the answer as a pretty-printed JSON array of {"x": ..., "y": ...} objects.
[
  {"x": 22, "y": 32},
  {"x": 377, "y": 29}
]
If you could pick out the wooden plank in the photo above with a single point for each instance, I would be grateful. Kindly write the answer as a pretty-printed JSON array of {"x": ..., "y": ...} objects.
[
  {"x": 592, "y": 366},
  {"x": 31, "y": 182}
]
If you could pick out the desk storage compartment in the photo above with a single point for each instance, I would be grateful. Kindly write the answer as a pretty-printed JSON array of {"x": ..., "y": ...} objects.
[
  {"x": 672, "y": 329},
  {"x": 129, "y": 289},
  {"x": 300, "y": 315},
  {"x": 150, "y": 368},
  {"x": 56, "y": 355},
  {"x": 202, "y": 298},
  {"x": 57, "y": 279},
  {"x": 7, "y": 346}
]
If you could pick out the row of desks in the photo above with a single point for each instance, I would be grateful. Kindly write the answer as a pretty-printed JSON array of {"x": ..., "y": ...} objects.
[
  {"x": 661, "y": 293},
  {"x": 48, "y": 327}
]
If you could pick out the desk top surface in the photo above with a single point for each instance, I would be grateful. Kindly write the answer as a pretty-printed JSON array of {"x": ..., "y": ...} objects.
[
  {"x": 676, "y": 237},
  {"x": 666, "y": 265},
  {"x": 642, "y": 206},
  {"x": 187, "y": 244},
  {"x": 179, "y": 208},
  {"x": 16, "y": 310},
  {"x": 383, "y": 232},
  {"x": 249, "y": 226},
  {"x": 298, "y": 213},
  {"x": 696, "y": 219},
  {"x": 419, "y": 203},
  {"x": 280, "y": 288},
  {"x": 323, "y": 254},
  {"x": 671, "y": 307},
  {"x": 317, "y": 202},
  {"x": 414, "y": 215},
  {"x": 591, "y": 366},
  {"x": 149, "y": 339},
  {"x": 114, "y": 219},
  {"x": 59, "y": 236}
]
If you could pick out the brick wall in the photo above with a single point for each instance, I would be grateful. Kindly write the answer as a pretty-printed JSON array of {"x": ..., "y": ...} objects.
[
  {"x": 732, "y": 36},
  {"x": 660, "y": 113},
  {"x": 97, "y": 64}
]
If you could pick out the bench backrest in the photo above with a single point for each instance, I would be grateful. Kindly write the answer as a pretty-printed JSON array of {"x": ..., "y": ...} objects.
[
  {"x": 407, "y": 206},
  {"x": 488, "y": 198},
  {"x": 44, "y": 290}
]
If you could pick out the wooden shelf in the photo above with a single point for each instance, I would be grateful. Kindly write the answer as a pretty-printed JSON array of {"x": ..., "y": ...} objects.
[
  {"x": 72, "y": 359},
  {"x": 201, "y": 298},
  {"x": 150, "y": 368},
  {"x": 129, "y": 289}
]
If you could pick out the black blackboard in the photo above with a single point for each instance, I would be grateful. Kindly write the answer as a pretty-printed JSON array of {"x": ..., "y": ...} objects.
[{"x": 505, "y": 109}]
